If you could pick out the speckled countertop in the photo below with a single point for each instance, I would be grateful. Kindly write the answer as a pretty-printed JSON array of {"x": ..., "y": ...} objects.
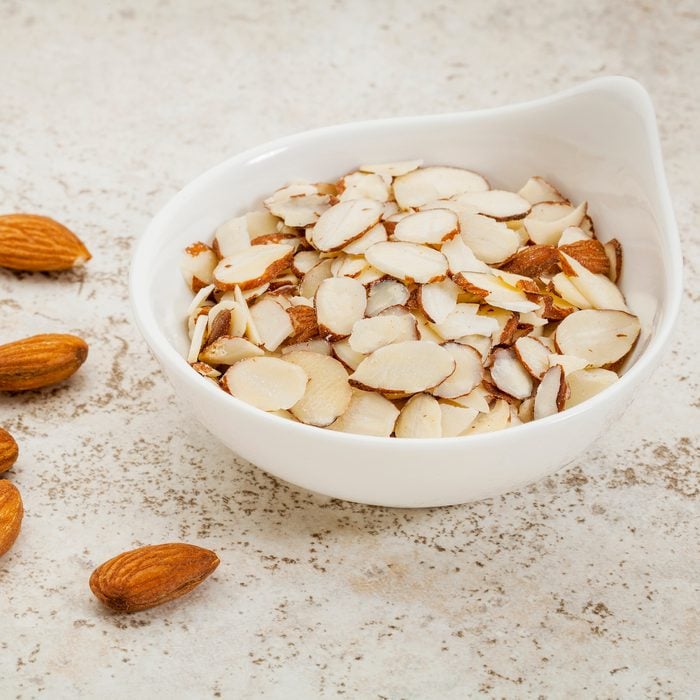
[{"x": 584, "y": 585}]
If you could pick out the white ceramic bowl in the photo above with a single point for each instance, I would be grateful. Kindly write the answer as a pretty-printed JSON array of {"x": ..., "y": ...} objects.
[{"x": 598, "y": 141}]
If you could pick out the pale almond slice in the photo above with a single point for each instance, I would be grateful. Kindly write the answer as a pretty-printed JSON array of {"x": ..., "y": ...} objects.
[
  {"x": 477, "y": 398},
  {"x": 198, "y": 334},
  {"x": 598, "y": 290},
  {"x": 599, "y": 337},
  {"x": 547, "y": 231},
  {"x": 370, "y": 275},
  {"x": 526, "y": 410},
  {"x": 344, "y": 222},
  {"x": 344, "y": 353},
  {"x": 548, "y": 342},
  {"x": 202, "y": 310},
  {"x": 327, "y": 394},
  {"x": 360, "y": 185},
  {"x": 272, "y": 322},
  {"x": 268, "y": 383},
  {"x": 404, "y": 368},
  {"x": 453, "y": 205},
  {"x": 461, "y": 258},
  {"x": 368, "y": 413},
  {"x": 551, "y": 393},
  {"x": 509, "y": 374},
  {"x": 436, "y": 182},
  {"x": 467, "y": 375},
  {"x": 298, "y": 300},
  {"x": 395, "y": 169},
  {"x": 613, "y": 250},
  {"x": 537, "y": 190},
  {"x": 433, "y": 226},
  {"x": 313, "y": 278},
  {"x": 255, "y": 292},
  {"x": 340, "y": 302},
  {"x": 408, "y": 262},
  {"x": 455, "y": 420},
  {"x": 425, "y": 331},
  {"x": 494, "y": 291},
  {"x": 227, "y": 350},
  {"x": 261, "y": 223},
  {"x": 420, "y": 417},
  {"x": 253, "y": 267},
  {"x": 250, "y": 330},
  {"x": 586, "y": 383},
  {"x": 496, "y": 419},
  {"x": 199, "y": 298},
  {"x": 533, "y": 318},
  {"x": 284, "y": 414},
  {"x": 500, "y": 205},
  {"x": 464, "y": 320},
  {"x": 377, "y": 234},
  {"x": 573, "y": 234},
  {"x": 298, "y": 205},
  {"x": 348, "y": 265},
  {"x": 481, "y": 343},
  {"x": 533, "y": 355},
  {"x": 489, "y": 240},
  {"x": 304, "y": 260},
  {"x": 568, "y": 292},
  {"x": 232, "y": 237},
  {"x": 317, "y": 345},
  {"x": 438, "y": 300},
  {"x": 197, "y": 266},
  {"x": 390, "y": 208},
  {"x": 206, "y": 370},
  {"x": 370, "y": 334},
  {"x": 385, "y": 294}
]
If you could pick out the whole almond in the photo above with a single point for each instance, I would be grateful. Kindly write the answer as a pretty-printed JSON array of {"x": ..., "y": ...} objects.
[
  {"x": 8, "y": 450},
  {"x": 152, "y": 575},
  {"x": 11, "y": 512},
  {"x": 40, "y": 361},
  {"x": 590, "y": 253},
  {"x": 39, "y": 244}
]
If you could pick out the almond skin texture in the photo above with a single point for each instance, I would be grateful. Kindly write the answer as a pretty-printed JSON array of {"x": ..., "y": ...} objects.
[
  {"x": 533, "y": 261},
  {"x": 590, "y": 254},
  {"x": 40, "y": 361},
  {"x": 11, "y": 512},
  {"x": 152, "y": 575},
  {"x": 8, "y": 451},
  {"x": 39, "y": 244}
]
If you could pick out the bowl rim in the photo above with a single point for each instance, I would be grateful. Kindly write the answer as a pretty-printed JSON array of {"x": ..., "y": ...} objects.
[{"x": 658, "y": 341}]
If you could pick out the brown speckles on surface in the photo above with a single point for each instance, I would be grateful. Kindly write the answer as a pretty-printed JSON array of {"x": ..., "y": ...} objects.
[{"x": 584, "y": 584}]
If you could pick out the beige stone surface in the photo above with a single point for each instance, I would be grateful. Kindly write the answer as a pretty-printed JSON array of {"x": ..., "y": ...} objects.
[{"x": 583, "y": 585}]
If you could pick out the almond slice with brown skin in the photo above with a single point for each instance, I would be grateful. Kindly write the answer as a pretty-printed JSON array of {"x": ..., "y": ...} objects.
[
  {"x": 546, "y": 230},
  {"x": 489, "y": 240},
  {"x": 436, "y": 182},
  {"x": 228, "y": 350},
  {"x": 590, "y": 253},
  {"x": 467, "y": 375},
  {"x": 232, "y": 237},
  {"x": 368, "y": 413},
  {"x": 197, "y": 266},
  {"x": 509, "y": 374},
  {"x": 385, "y": 294},
  {"x": 586, "y": 383},
  {"x": 404, "y": 368},
  {"x": 298, "y": 205},
  {"x": 340, "y": 303},
  {"x": 438, "y": 300},
  {"x": 494, "y": 291},
  {"x": 534, "y": 261},
  {"x": 464, "y": 320},
  {"x": 613, "y": 250},
  {"x": 304, "y": 323},
  {"x": 551, "y": 393},
  {"x": 497, "y": 204},
  {"x": 455, "y": 420},
  {"x": 432, "y": 226},
  {"x": 408, "y": 262},
  {"x": 206, "y": 371},
  {"x": 537, "y": 190},
  {"x": 253, "y": 267},
  {"x": 268, "y": 383},
  {"x": 327, "y": 394},
  {"x": 370, "y": 334},
  {"x": 272, "y": 322},
  {"x": 420, "y": 417},
  {"x": 599, "y": 337},
  {"x": 598, "y": 290},
  {"x": 344, "y": 222},
  {"x": 377, "y": 234},
  {"x": 533, "y": 355},
  {"x": 392, "y": 169}
]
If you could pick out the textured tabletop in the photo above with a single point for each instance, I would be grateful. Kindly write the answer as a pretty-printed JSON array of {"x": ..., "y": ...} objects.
[{"x": 583, "y": 585}]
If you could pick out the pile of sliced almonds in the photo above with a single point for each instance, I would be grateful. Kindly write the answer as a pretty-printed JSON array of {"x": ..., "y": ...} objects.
[{"x": 409, "y": 301}]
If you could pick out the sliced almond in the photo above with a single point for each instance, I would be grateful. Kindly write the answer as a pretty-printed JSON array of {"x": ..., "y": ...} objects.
[
  {"x": 317, "y": 345},
  {"x": 433, "y": 226},
  {"x": 496, "y": 419},
  {"x": 586, "y": 383},
  {"x": 573, "y": 234},
  {"x": 304, "y": 260},
  {"x": 348, "y": 265},
  {"x": 613, "y": 250},
  {"x": 425, "y": 330},
  {"x": 497, "y": 204},
  {"x": 551, "y": 393},
  {"x": 255, "y": 292},
  {"x": 304, "y": 324},
  {"x": 199, "y": 298},
  {"x": 467, "y": 375},
  {"x": 599, "y": 337},
  {"x": 404, "y": 368},
  {"x": 327, "y": 394},
  {"x": 368, "y": 413},
  {"x": 392, "y": 169},
  {"x": 364, "y": 186},
  {"x": 421, "y": 417},
  {"x": 567, "y": 291},
  {"x": 534, "y": 261},
  {"x": 377, "y": 234},
  {"x": 197, "y": 266},
  {"x": 345, "y": 353},
  {"x": 598, "y": 290},
  {"x": 461, "y": 258},
  {"x": 272, "y": 322},
  {"x": 438, "y": 300},
  {"x": 533, "y": 355},
  {"x": 232, "y": 237},
  {"x": 590, "y": 253},
  {"x": 340, "y": 303},
  {"x": 267, "y": 383},
  {"x": 369, "y": 276},
  {"x": 370, "y": 334},
  {"x": 385, "y": 294},
  {"x": 477, "y": 398},
  {"x": 198, "y": 336},
  {"x": 437, "y": 182},
  {"x": 313, "y": 278},
  {"x": 547, "y": 231},
  {"x": 494, "y": 291},
  {"x": 260, "y": 223},
  {"x": 489, "y": 240},
  {"x": 227, "y": 350},
  {"x": 569, "y": 363},
  {"x": 252, "y": 267},
  {"x": 526, "y": 410},
  {"x": 408, "y": 262},
  {"x": 455, "y": 419},
  {"x": 537, "y": 189},
  {"x": 298, "y": 205},
  {"x": 464, "y": 320},
  {"x": 344, "y": 222},
  {"x": 250, "y": 330},
  {"x": 510, "y": 375},
  {"x": 481, "y": 343},
  {"x": 206, "y": 370}
]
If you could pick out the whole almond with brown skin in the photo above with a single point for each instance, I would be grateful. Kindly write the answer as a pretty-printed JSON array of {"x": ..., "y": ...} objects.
[
  {"x": 11, "y": 512},
  {"x": 8, "y": 451},
  {"x": 40, "y": 361},
  {"x": 39, "y": 244},
  {"x": 152, "y": 575}
]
